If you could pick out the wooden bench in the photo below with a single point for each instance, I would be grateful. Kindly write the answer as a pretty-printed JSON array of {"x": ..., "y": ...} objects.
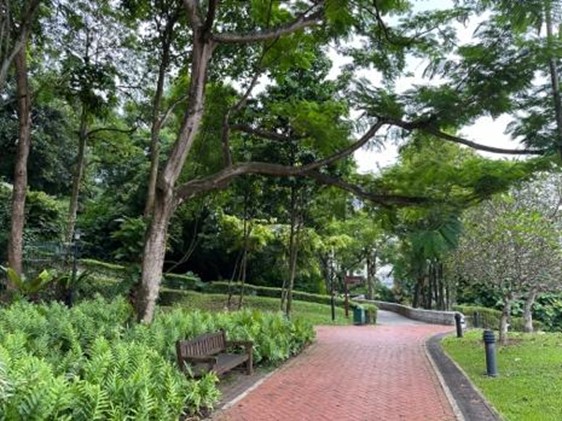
[{"x": 208, "y": 352}]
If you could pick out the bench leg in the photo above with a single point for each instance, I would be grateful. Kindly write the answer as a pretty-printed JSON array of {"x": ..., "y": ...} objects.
[{"x": 249, "y": 366}]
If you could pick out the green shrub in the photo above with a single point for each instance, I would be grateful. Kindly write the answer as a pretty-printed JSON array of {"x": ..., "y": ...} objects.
[
  {"x": 490, "y": 318},
  {"x": 118, "y": 273},
  {"x": 93, "y": 362},
  {"x": 109, "y": 270},
  {"x": 371, "y": 313},
  {"x": 221, "y": 287}
]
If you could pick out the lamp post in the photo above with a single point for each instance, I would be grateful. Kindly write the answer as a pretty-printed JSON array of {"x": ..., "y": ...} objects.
[{"x": 332, "y": 301}]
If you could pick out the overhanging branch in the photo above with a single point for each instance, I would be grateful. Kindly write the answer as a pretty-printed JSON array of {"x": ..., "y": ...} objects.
[
  {"x": 266, "y": 134},
  {"x": 300, "y": 22},
  {"x": 427, "y": 128},
  {"x": 223, "y": 178},
  {"x": 110, "y": 129},
  {"x": 377, "y": 198}
]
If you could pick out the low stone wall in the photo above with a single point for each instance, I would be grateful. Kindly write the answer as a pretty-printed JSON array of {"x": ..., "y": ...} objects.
[{"x": 435, "y": 317}]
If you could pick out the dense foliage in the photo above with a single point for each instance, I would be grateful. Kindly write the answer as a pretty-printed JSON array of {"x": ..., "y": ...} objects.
[
  {"x": 212, "y": 139},
  {"x": 92, "y": 362}
]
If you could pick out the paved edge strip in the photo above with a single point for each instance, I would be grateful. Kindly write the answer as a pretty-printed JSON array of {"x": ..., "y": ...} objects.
[
  {"x": 245, "y": 393},
  {"x": 452, "y": 401},
  {"x": 469, "y": 400},
  {"x": 224, "y": 407}
]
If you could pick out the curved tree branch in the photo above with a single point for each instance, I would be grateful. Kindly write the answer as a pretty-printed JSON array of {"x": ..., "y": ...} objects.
[
  {"x": 19, "y": 40},
  {"x": 300, "y": 22},
  {"x": 110, "y": 129},
  {"x": 428, "y": 128},
  {"x": 266, "y": 134},
  {"x": 211, "y": 13},
  {"x": 377, "y": 198},
  {"x": 191, "y": 6},
  {"x": 223, "y": 178}
]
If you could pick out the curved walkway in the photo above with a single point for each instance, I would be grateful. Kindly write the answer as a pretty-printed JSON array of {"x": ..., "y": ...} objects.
[{"x": 354, "y": 373}]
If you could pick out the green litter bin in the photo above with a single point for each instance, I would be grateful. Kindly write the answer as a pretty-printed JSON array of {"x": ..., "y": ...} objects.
[{"x": 358, "y": 315}]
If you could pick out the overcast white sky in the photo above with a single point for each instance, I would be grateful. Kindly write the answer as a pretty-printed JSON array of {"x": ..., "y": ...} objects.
[{"x": 485, "y": 131}]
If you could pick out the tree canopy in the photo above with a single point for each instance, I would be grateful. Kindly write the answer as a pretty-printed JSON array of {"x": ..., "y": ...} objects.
[{"x": 166, "y": 127}]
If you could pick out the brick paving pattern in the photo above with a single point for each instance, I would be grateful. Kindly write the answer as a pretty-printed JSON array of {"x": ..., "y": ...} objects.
[{"x": 353, "y": 373}]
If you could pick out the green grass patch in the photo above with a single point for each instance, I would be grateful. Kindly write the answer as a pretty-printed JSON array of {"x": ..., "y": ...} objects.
[
  {"x": 316, "y": 314},
  {"x": 529, "y": 384}
]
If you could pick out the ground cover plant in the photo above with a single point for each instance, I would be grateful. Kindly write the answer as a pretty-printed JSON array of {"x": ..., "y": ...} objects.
[
  {"x": 529, "y": 382},
  {"x": 92, "y": 362}
]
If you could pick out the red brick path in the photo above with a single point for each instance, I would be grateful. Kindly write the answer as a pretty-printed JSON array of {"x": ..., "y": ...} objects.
[{"x": 353, "y": 373}]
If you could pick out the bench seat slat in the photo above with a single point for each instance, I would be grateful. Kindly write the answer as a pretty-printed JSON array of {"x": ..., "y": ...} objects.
[{"x": 212, "y": 345}]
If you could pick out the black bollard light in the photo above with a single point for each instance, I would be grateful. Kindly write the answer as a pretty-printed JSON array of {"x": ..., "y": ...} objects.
[
  {"x": 458, "y": 320},
  {"x": 490, "y": 344}
]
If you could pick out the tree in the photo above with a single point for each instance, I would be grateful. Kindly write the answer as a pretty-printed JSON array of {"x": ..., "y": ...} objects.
[
  {"x": 512, "y": 245},
  {"x": 163, "y": 22},
  {"x": 13, "y": 47},
  {"x": 429, "y": 110},
  {"x": 452, "y": 179},
  {"x": 16, "y": 21},
  {"x": 15, "y": 241},
  {"x": 204, "y": 41},
  {"x": 92, "y": 61}
]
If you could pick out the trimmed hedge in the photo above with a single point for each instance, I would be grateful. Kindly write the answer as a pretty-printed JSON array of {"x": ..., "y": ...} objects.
[
  {"x": 110, "y": 284},
  {"x": 490, "y": 318},
  {"x": 221, "y": 287},
  {"x": 117, "y": 272}
]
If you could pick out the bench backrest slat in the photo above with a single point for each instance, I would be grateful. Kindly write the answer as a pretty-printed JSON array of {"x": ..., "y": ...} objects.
[{"x": 207, "y": 344}]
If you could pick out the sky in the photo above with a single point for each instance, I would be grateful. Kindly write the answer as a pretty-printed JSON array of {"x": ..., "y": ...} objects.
[{"x": 485, "y": 131}]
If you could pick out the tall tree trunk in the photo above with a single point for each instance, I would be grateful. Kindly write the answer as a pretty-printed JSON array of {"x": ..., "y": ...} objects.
[
  {"x": 164, "y": 200},
  {"x": 554, "y": 79},
  {"x": 286, "y": 281},
  {"x": 293, "y": 271},
  {"x": 157, "y": 119},
  {"x": 244, "y": 269},
  {"x": 417, "y": 294},
  {"x": 371, "y": 271},
  {"x": 428, "y": 294},
  {"x": 528, "y": 310},
  {"x": 15, "y": 241},
  {"x": 153, "y": 257},
  {"x": 291, "y": 249},
  {"x": 233, "y": 278},
  {"x": 442, "y": 302},
  {"x": 506, "y": 311},
  {"x": 78, "y": 174}
]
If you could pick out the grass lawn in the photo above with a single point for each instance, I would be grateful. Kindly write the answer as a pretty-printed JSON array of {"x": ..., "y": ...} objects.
[
  {"x": 529, "y": 385},
  {"x": 317, "y": 314}
]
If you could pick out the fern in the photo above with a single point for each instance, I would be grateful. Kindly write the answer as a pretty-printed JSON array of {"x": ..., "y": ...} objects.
[
  {"x": 88, "y": 363},
  {"x": 91, "y": 402}
]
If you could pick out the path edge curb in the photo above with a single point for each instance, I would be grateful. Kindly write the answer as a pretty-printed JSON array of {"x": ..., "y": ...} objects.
[
  {"x": 435, "y": 340},
  {"x": 452, "y": 401}
]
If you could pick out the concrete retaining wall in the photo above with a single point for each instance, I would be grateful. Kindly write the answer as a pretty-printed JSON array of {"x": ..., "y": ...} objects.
[{"x": 429, "y": 316}]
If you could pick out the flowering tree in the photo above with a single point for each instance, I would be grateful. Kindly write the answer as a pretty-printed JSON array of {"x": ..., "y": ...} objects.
[{"x": 511, "y": 243}]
